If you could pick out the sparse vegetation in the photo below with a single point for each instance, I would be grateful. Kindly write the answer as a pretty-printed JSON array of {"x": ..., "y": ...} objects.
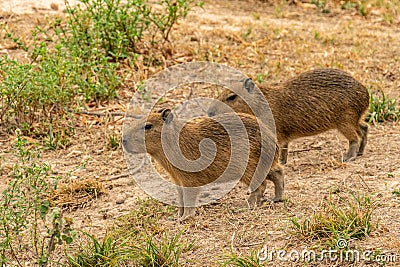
[
  {"x": 43, "y": 92},
  {"x": 105, "y": 252},
  {"x": 75, "y": 193},
  {"x": 321, "y": 4},
  {"x": 144, "y": 219},
  {"x": 261, "y": 77},
  {"x": 30, "y": 227},
  {"x": 114, "y": 141},
  {"x": 341, "y": 216},
  {"x": 137, "y": 239},
  {"x": 120, "y": 28},
  {"x": 78, "y": 62},
  {"x": 253, "y": 260},
  {"x": 382, "y": 108},
  {"x": 165, "y": 251}
]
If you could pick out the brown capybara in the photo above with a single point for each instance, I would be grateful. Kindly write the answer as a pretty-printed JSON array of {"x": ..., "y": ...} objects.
[
  {"x": 311, "y": 103},
  {"x": 191, "y": 134}
]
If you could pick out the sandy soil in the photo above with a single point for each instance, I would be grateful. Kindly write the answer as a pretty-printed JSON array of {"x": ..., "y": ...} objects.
[
  {"x": 33, "y": 7},
  {"x": 280, "y": 42}
]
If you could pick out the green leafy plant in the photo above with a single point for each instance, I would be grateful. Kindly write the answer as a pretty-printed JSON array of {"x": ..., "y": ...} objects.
[
  {"x": 30, "y": 227},
  {"x": 260, "y": 77},
  {"x": 382, "y": 108},
  {"x": 119, "y": 27},
  {"x": 59, "y": 138},
  {"x": 77, "y": 61},
  {"x": 348, "y": 5},
  {"x": 44, "y": 91},
  {"x": 320, "y": 4}
]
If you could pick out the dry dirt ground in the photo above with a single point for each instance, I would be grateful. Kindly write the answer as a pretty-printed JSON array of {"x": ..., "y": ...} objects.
[{"x": 278, "y": 41}]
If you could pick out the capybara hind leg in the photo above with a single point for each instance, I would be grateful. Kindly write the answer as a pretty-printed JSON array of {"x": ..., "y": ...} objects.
[
  {"x": 283, "y": 153},
  {"x": 350, "y": 132},
  {"x": 180, "y": 201},
  {"x": 363, "y": 143},
  {"x": 189, "y": 202},
  {"x": 180, "y": 211},
  {"x": 277, "y": 177},
  {"x": 352, "y": 152},
  {"x": 256, "y": 195}
]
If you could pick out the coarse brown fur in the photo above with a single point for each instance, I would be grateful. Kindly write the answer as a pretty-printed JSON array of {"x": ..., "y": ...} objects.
[
  {"x": 190, "y": 136},
  {"x": 311, "y": 103}
]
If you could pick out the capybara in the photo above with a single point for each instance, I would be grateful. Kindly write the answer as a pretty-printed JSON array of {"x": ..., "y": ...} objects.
[
  {"x": 190, "y": 136},
  {"x": 311, "y": 103}
]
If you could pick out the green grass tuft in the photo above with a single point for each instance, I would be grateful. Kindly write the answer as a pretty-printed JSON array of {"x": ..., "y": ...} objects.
[
  {"x": 233, "y": 260},
  {"x": 340, "y": 216},
  {"x": 382, "y": 108}
]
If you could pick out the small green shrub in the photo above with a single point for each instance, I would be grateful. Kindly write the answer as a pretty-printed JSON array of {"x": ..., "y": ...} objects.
[
  {"x": 346, "y": 217},
  {"x": 382, "y": 108},
  {"x": 358, "y": 5},
  {"x": 77, "y": 61},
  {"x": 30, "y": 227},
  {"x": 348, "y": 5},
  {"x": 120, "y": 27},
  {"x": 320, "y": 4},
  {"x": 58, "y": 80}
]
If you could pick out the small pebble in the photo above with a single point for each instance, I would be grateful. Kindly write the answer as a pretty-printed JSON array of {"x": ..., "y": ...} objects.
[
  {"x": 54, "y": 6},
  {"x": 120, "y": 200}
]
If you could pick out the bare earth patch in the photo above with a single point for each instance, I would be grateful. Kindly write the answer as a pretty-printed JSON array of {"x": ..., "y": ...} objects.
[{"x": 278, "y": 41}]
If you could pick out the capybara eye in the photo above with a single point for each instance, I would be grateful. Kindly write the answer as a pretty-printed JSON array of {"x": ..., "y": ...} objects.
[
  {"x": 148, "y": 126},
  {"x": 231, "y": 98}
]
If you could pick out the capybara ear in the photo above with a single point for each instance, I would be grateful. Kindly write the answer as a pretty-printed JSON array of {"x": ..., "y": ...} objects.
[
  {"x": 161, "y": 110},
  {"x": 248, "y": 84},
  {"x": 167, "y": 115}
]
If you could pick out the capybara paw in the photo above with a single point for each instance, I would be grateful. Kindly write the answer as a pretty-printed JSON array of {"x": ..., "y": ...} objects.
[
  {"x": 253, "y": 201},
  {"x": 348, "y": 159},
  {"x": 187, "y": 214},
  {"x": 277, "y": 199},
  {"x": 185, "y": 217}
]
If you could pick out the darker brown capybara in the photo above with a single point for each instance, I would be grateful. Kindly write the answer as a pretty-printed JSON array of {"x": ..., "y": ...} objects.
[{"x": 311, "y": 103}]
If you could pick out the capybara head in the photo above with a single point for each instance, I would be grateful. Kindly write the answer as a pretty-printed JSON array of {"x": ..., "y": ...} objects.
[
  {"x": 233, "y": 100},
  {"x": 135, "y": 133}
]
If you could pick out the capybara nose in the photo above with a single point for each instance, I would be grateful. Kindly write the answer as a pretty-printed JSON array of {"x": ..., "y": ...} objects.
[
  {"x": 124, "y": 141},
  {"x": 211, "y": 113}
]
